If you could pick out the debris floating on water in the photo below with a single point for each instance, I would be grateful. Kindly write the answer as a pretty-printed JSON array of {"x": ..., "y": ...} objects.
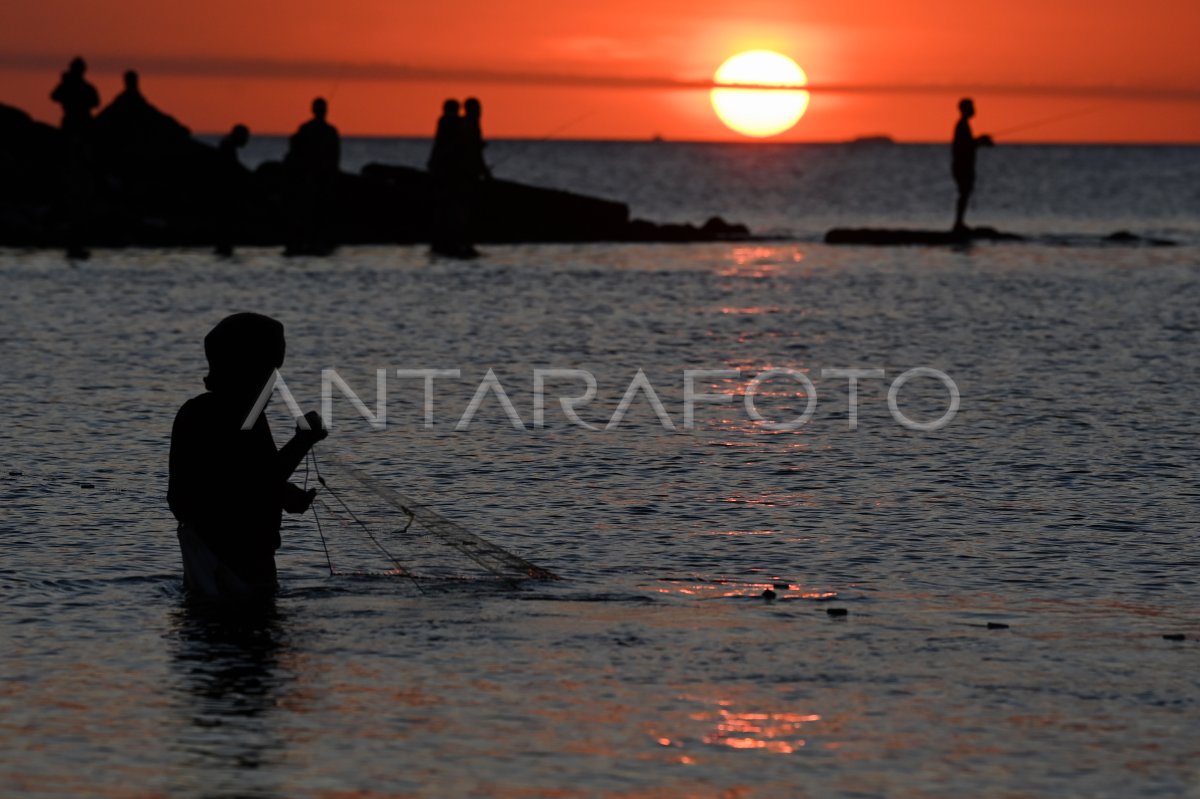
[
  {"x": 997, "y": 625},
  {"x": 837, "y": 611},
  {"x": 1175, "y": 637},
  {"x": 87, "y": 485},
  {"x": 15, "y": 474},
  {"x": 781, "y": 586}
]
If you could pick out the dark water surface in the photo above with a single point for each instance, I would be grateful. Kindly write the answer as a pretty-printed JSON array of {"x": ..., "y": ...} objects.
[{"x": 1061, "y": 501}]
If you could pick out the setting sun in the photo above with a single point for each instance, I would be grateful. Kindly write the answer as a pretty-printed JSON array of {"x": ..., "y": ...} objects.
[{"x": 760, "y": 112}]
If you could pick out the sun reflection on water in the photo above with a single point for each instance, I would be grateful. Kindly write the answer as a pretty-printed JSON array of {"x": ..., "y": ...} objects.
[
  {"x": 759, "y": 262},
  {"x": 722, "y": 588},
  {"x": 778, "y": 732}
]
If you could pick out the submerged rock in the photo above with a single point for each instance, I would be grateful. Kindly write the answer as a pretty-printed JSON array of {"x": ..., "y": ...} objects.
[
  {"x": 903, "y": 236},
  {"x": 1125, "y": 237}
]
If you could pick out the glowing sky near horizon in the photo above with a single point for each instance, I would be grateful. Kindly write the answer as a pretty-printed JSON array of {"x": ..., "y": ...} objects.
[{"x": 624, "y": 69}]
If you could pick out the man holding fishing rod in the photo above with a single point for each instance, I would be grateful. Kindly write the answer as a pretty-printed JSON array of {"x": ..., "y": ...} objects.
[
  {"x": 228, "y": 484},
  {"x": 962, "y": 162}
]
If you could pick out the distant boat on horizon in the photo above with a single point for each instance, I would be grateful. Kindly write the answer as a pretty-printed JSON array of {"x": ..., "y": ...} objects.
[{"x": 877, "y": 138}]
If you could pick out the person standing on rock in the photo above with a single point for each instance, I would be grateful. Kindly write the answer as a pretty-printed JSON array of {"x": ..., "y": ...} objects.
[
  {"x": 962, "y": 161},
  {"x": 77, "y": 97},
  {"x": 442, "y": 167},
  {"x": 236, "y": 188},
  {"x": 312, "y": 163},
  {"x": 77, "y": 198}
]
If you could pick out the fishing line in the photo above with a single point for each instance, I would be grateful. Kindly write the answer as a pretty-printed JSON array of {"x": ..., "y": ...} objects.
[
  {"x": 400, "y": 568},
  {"x": 337, "y": 83},
  {"x": 1053, "y": 118},
  {"x": 317, "y": 518},
  {"x": 545, "y": 138},
  {"x": 1037, "y": 123},
  {"x": 493, "y": 558}
]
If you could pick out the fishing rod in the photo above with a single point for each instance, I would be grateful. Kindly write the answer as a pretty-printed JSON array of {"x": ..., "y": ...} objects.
[
  {"x": 547, "y": 137},
  {"x": 1037, "y": 123},
  {"x": 337, "y": 83}
]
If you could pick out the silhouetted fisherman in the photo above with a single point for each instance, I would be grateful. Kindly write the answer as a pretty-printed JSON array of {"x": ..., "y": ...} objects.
[
  {"x": 963, "y": 159},
  {"x": 78, "y": 198},
  {"x": 312, "y": 160},
  {"x": 237, "y": 138},
  {"x": 77, "y": 98},
  {"x": 235, "y": 183},
  {"x": 228, "y": 485}
]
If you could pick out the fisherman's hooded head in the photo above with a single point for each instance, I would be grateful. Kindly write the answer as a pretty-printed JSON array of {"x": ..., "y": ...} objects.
[{"x": 243, "y": 351}]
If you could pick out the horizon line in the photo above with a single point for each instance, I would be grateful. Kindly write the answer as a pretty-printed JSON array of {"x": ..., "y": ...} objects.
[
  {"x": 338, "y": 71},
  {"x": 748, "y": 141}
]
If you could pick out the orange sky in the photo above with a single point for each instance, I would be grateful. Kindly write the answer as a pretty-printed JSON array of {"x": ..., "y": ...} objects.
[{"x": 383, "y": 63}]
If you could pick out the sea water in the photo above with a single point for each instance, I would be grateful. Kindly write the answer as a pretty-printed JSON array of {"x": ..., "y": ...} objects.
[{"x": 1059, "y": 503}]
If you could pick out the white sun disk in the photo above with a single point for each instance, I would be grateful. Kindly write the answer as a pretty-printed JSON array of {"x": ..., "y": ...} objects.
[{"x": 760, "y": 112}]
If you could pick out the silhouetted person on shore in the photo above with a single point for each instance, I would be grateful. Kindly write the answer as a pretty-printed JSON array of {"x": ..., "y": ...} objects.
[
  {"x": 312, "y": 160},
  {"x": 315, "y": 147},
  {"x": 235, "y": 183},
  {"x": 442, "y": 164},
  {"x": 228, "y": 484},
  {"x": 77, "y": 97},
  {"x": 962, "y": 162},
  {"x": 237, "y": 138},
  {"x": 77, "y": 201},
  {"x": 472, "y": 171},
  {"x": 472, "y": 142},
  {"x": 445, "y": 140}
]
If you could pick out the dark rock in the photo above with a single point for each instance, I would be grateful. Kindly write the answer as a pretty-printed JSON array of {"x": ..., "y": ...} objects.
[
  {"x": 717, "y": 228},
  {"x": 1125, "y": 237},
  {"x": 144, "y": 181}
]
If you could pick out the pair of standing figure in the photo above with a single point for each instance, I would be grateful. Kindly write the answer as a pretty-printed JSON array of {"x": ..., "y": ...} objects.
[{"x": 458, "y": 168}]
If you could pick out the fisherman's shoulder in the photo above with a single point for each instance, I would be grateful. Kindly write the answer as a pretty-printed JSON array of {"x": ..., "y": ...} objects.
[{"x": 206, "y": 409}]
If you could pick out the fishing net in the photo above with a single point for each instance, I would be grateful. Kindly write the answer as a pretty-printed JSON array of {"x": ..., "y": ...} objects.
[{"x": 367, "y": 527}]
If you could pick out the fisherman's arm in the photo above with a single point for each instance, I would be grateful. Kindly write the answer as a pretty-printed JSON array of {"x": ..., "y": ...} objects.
[{"x": 295, "y": 499}]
